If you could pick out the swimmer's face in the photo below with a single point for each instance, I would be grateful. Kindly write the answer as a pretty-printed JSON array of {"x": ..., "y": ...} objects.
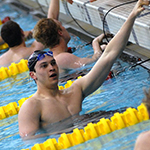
[
  {"x": 46, "y": 71},
  {"x": 63, "y": 31}
]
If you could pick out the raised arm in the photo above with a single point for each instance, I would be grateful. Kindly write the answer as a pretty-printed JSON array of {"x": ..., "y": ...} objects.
[
  {"x": 53, "y": 11},
  {"x": 99, "y": 72}
]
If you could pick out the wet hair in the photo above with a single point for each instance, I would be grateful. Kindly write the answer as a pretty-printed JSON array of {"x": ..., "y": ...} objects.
[
  {"x": 35, "y": 57},
  {"x": 12, "y": 33},
  {"x": 46, "y": 32}
]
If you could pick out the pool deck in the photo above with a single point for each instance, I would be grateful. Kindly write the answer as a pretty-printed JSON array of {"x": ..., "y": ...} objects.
[{"x": 90, "y": 17}]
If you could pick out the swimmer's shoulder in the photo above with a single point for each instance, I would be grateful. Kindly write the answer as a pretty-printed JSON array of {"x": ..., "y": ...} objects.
[
  {"x": 32, "y": 101},
  {"x": 142, "y": 141},
  {"x": 63, "y": 57}
]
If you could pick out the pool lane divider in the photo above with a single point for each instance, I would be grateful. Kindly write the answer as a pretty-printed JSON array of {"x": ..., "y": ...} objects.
[
  {"x": 13, "y": 69},
  {"x": 118, "y": 121},
  {"x": 4, "y": 46}
]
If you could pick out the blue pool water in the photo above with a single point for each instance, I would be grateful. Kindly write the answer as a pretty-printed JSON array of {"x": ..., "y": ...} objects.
[{"x": 124, "y": 90}]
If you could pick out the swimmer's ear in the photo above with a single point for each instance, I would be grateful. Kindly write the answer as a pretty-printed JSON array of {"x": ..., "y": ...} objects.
[
  {"x": 60, "y": 32},
  {"x": 32, "y": 75}
]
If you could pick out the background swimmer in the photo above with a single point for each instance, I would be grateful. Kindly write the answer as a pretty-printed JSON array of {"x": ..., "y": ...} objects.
[
  {"x": 52, "y": 34},
  {"x": 27, "y": 34},
  {"x": 14, "y": 36}
]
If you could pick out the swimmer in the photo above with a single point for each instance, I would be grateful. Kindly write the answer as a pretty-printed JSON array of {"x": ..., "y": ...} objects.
[
  {"x": 49, "y": 104},
  {"x": 1, "y": 24},
  {"x": 27, "y": 34},
  {"x": 143, "y": 140},
  {"x": 15, "y": 37},
  {"x": 53, "y": 35}
]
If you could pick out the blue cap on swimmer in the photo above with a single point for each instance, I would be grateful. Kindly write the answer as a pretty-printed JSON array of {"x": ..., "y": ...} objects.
[{"x": 36, "y": 56}]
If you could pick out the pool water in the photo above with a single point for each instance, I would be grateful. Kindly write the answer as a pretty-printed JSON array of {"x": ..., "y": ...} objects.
[{"x": 124, "y": 90}]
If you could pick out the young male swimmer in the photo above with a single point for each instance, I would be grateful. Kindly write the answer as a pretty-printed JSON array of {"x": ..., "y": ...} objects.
[{"x": 49, "y": 104}]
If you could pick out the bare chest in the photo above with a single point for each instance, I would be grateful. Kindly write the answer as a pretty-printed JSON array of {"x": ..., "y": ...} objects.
[{"x": 54, "y": 110}]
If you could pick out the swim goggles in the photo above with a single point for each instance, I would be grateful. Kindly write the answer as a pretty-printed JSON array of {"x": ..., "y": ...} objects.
[
  {"x": 41, "y": 56},
  {"x": 36, "y": 56}
]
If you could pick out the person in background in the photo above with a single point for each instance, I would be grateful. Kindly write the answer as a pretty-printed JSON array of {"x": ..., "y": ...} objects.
[
  {"x": 27, "y": 34},
  {"x": 49, "y": 104},
  {"x": 14, "y": 36},
  {"x": 53, "y": 35},
  {"x": 143, "y": 140}
]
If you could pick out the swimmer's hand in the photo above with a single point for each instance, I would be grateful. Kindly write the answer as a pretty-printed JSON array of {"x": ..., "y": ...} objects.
[
  {"x": 92, "y": 0},
  {"x": 109, "y": 35},
  {"x": 70, "y": 1},
  {"x": 139, "y": 7},
  {"x": 96, "y": 46}
]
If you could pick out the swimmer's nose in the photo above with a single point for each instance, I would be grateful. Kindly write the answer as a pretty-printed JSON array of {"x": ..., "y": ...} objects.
[{"x": 51, "y": 68}]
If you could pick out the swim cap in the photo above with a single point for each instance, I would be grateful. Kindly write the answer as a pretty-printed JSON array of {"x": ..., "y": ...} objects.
[{"x": 36, "y": 56}]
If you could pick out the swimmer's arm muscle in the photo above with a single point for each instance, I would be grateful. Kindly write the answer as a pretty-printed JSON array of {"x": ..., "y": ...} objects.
[
  {"x": 53, "y": 11},
  {"x": 28, "y": 118}
]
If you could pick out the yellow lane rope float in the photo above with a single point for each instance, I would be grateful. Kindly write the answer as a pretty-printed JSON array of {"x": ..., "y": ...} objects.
[
  {"x": 13, "y": 69},
  {"x": 4, "y": 46}
]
